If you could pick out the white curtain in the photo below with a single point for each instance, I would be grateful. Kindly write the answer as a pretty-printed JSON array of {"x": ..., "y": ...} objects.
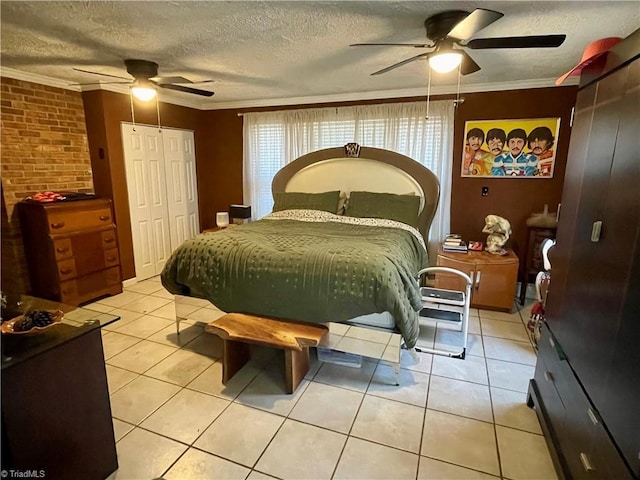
[{"x": 273, "y": 139}]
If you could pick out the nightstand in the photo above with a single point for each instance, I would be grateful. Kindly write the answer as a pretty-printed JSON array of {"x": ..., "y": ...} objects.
[
  {"x": 216, "y": 229},
  {"x": 493, "y": 277}
]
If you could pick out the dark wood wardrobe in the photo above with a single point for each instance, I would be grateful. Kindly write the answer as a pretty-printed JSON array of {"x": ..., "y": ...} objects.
[{"x": 586, "y": 389}]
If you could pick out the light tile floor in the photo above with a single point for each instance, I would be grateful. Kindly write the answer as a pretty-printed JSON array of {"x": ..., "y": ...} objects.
[{"x": 449, "y": 418}]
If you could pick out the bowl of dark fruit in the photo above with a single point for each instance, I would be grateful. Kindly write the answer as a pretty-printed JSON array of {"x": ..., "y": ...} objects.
[{"x": 32, "y": 322}]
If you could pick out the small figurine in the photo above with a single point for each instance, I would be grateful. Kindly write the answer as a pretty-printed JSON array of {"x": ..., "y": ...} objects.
[{"x": 499, "y": 230}]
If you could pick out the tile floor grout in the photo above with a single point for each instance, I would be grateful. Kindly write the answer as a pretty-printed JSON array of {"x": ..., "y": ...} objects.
[{"x": 315, "y": 379}]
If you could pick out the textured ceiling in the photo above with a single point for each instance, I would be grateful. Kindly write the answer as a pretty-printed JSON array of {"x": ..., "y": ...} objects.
[{"x": 267, "y": 52}]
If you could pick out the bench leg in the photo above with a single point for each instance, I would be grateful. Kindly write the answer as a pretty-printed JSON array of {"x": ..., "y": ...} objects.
[
  {"x": 235, "y": 355},
  {"x": 296, "y": 365}
]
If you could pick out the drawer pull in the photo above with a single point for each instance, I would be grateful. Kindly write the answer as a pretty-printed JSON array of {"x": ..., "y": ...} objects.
[
  {"x": 57, "y": 225},
  {"x": 104, "y": 217},
  {"x": 66, "y": 271},
  {"x": 478, "y": 279},
  {"x": 552, "y": 343},
  {"x": 62, "y": 249},
  {"x": 109, "y": 240},
  {"x": 111, "y": 258},
  {"x": 548, "y": 376},
  {"x": 592, "y": 416},
  {"x": 596, "y": 230},
  {"x": 586, "y": 463}
]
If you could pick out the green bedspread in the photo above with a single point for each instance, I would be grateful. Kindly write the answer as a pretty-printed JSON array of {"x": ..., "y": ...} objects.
[{"x": 305, "y": 271}]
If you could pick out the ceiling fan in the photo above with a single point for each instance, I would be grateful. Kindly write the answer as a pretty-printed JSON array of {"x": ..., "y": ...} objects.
[
  {"x": 454, "y": 28},
  {"x": 146, "y": 79}
]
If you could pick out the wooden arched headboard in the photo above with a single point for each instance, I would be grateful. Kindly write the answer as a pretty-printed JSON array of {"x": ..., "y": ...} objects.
[{"x": 355, "y": 168}]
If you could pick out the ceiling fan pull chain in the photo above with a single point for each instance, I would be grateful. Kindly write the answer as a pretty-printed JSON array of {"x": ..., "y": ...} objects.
[
  {"x": 133, "y": 115},
  {"x": 428, "y": 93},
  {"x": 458, "y": 90},
  {"x": 158, "y": 110}
]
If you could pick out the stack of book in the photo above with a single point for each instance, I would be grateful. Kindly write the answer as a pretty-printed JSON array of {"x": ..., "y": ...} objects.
[{"x": 454, "y": 243}]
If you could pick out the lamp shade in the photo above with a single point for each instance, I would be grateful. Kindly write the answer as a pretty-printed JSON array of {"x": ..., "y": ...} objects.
[
  {"x": 222, "y": 219},
  {"x": 444, "y": 62}
]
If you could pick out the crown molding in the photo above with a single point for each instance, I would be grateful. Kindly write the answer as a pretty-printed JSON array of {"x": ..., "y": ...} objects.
[
  {"x": 199, "y": 104},
  {"x": 35, "y": 78},
  {"x": 383, "y": 94},
  {"x": 54, "y": 82}
]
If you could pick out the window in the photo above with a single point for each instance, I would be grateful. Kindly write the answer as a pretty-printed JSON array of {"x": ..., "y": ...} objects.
[{"x": 273, "y": 139}]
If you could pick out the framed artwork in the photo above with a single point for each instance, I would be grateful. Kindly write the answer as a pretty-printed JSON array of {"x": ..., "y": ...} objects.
[{"x": 521, "y": 148}]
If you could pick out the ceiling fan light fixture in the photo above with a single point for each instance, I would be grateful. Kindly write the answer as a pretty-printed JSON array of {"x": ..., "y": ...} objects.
[
  {"x": 144, "y": 93},
  {"x": 445, "y": 62}
]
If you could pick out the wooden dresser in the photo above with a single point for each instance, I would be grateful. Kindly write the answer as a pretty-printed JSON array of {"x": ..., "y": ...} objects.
[
  {"x": 71, "y": 249},
  {"x": 493, "y": 277}
]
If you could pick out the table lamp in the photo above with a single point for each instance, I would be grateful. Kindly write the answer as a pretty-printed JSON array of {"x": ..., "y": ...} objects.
[{"x": 222, "y": 219}]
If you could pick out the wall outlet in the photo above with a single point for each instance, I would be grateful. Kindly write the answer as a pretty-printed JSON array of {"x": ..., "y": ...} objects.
[{"x": 485, "y": 191}]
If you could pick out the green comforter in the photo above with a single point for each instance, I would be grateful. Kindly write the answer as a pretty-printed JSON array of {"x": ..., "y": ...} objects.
[{"x": 305, "y": 271}]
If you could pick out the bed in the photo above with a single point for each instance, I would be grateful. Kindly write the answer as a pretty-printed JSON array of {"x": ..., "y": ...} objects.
[{"x": 303, "y": 262}]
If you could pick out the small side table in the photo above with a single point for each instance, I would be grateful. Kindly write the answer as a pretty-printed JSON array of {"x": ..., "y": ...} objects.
[
  {"x": 56, "y": 412},
  {"x": 493, "y": 277},
  {"x": 217, "y": 229},
  {"x": 533, "y": 256}
]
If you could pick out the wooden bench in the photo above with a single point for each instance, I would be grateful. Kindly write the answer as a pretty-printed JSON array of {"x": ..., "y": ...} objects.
[{"x": 238, "y": 331}]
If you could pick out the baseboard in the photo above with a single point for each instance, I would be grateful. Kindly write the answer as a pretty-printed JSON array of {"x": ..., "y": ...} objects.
[
  {"x": 129, "y": 282},
  {"x": 531, "y": 291}
]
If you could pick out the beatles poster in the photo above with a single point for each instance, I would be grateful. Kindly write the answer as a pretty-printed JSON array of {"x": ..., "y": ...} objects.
[{"x": 522, "y": 148}]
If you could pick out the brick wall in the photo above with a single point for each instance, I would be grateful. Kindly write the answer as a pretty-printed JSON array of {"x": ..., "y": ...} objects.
[{"x": 43, "y": 147}]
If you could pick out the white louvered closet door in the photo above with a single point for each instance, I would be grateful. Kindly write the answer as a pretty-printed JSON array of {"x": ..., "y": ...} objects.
[
  {"x": 182, "y": 194},
  {"x": 161, "y": 183}
]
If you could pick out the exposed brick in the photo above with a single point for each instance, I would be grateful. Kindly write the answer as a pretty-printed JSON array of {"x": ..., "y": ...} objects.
[
  {"x": 11, "y": 111},
  {"x": 43, "y": 147}
]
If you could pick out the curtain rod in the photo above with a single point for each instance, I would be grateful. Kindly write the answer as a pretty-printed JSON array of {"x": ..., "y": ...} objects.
[{"x": 460, "y": 100}]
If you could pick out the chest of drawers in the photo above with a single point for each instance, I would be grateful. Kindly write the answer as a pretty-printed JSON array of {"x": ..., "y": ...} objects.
[{"x": 71, "y": 249}]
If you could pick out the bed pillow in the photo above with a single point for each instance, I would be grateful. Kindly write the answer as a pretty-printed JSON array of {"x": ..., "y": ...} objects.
[
  {"x": 326, "y": 201},
  {"x": 401, "y": 208}
]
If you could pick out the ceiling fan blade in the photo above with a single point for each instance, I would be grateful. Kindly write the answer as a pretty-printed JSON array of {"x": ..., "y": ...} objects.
[
  {"x": 533, "y": 41},
  {"x": 468, "y": 65},
  {"x": 98, "y": 73},
  {"x": 399, "y": 64},
  {"x": 476, "y": 21},
  {"x": 415, "y": 45},
  {"x": 170, "y": 80},
  {"x": 181, "y": 88}
]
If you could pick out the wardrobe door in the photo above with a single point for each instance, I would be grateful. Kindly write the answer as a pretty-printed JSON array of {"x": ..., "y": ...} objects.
[
  {"x": 619, "y": 289},
  {"x": 588, "y": 325},
  {"x": 572, "y": 190},
  {"x": 180, "y": 168}
]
